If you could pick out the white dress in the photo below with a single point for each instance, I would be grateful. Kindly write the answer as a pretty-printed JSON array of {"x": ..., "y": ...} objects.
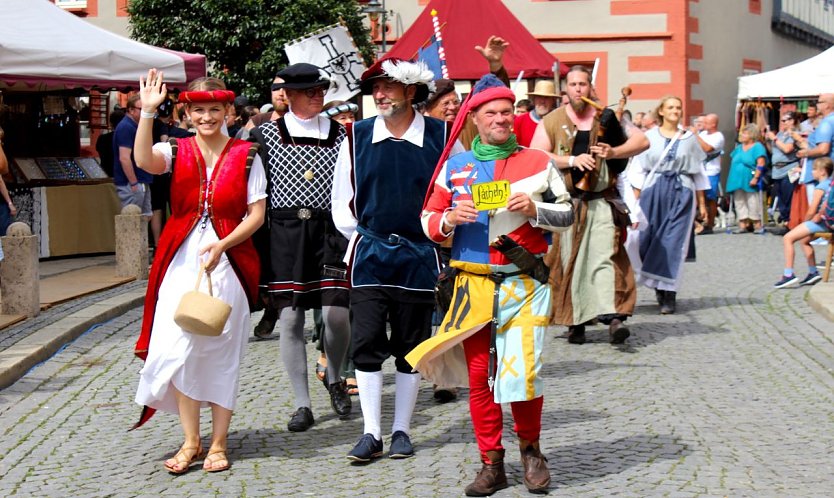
[{"x": 206, "y": 369}]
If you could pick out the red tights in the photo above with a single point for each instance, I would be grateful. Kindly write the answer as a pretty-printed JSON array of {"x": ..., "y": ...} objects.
[{"x": 487, "y": 417}]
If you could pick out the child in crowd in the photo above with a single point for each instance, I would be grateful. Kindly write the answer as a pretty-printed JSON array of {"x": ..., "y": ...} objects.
[{"x": 802, "y": 233}]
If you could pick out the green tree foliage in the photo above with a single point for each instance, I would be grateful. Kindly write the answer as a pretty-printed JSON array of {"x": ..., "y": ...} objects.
[{"x": 243, "y": 40}]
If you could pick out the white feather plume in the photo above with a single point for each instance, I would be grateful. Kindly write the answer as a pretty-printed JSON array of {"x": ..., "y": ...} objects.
[{"x": 409, "y": 73}]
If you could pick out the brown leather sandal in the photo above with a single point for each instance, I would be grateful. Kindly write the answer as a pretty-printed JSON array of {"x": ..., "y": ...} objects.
[
  {"x": 182, "y": 462},
  {"x": 220, "y": 457}
]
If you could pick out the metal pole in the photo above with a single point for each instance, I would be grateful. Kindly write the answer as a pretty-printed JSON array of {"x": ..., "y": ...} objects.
[{"x": 384, "y": 26}]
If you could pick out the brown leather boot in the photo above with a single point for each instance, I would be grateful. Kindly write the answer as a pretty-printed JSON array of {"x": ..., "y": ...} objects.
[
  {"x": 536, "y": 474},
  {"x": 491, "y": 478}
]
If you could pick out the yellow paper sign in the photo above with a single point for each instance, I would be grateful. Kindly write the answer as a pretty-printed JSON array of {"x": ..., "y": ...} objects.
[{"x": 491, "y": 195}]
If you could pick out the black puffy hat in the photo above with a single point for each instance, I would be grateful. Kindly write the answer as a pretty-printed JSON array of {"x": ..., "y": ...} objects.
[{"x": 301, "y": 76}]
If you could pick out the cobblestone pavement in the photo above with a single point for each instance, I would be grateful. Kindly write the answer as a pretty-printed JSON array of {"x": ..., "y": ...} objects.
[{"x": 732, "y": 396}]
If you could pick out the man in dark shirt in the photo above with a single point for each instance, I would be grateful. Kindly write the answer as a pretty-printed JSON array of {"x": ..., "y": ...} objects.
[
  {"x": 132, "y": 184},
  {"x": 104, "y": 143}
]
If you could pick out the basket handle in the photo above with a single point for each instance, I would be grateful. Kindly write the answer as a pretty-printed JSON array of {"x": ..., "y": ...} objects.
[{"x": 200, "y": 278}]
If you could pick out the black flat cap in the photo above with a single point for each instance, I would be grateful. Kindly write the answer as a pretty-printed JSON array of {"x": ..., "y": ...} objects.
[{"x": 301, "y": 76}]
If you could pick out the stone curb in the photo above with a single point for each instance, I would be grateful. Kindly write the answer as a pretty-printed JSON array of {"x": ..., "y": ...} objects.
[
  {"x": 821, "y": 298},
  {"x": 39, "y": 346}
]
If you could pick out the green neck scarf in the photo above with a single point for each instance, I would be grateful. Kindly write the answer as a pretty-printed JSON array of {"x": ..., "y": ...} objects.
[{"x": 486, "y": 152}]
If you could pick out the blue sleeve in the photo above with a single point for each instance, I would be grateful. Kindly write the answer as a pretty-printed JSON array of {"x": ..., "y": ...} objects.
[
  {"x": 824, "y": 185},
  {"x": 759, "y": 150},
  {"x": 824, "y": 132},
  {"x": 123, "y": 137}
]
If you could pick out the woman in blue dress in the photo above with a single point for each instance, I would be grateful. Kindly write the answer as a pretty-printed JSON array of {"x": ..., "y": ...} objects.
[{"x": 666, "y": 178}]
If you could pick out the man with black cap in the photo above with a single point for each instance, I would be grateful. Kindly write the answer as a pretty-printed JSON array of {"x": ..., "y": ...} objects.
[
  {"x": 306, "y": 269},
  {"x": 382, "y": 174}
]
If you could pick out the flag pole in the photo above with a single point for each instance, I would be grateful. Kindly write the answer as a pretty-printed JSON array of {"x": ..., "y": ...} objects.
[{"x": 441, "y": 52}]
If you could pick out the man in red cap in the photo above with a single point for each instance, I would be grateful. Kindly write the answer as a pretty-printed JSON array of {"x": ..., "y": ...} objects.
[
  {"x": 498, "y": 200},
  {"x": 382, "y": 173}
]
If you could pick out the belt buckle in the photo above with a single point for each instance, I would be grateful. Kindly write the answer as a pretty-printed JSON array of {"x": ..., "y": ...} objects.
[{"x": 304, "y": 214}]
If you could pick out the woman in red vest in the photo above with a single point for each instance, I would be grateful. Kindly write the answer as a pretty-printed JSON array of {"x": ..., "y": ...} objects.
[{"x": 217, "y": 203}]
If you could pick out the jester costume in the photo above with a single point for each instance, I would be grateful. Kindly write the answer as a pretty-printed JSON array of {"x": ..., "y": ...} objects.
[{"x": 459, "y": 355}]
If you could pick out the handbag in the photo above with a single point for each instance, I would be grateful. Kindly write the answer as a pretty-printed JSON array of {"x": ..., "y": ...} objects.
[
  {"x": 444, "y": 289},
  {"x": 200, "y": 313}
]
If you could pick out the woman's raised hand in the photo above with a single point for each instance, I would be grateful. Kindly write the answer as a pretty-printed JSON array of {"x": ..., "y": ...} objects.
[{"x": 152, "y": 91}]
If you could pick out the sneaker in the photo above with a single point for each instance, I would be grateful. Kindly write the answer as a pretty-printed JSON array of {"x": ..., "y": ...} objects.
[
  {"x": 301, "y": 420},
  {"x": 811, "y": 279},
  {"x": 760, "y": 231},
  {"x": 705, "y": 231},
  {"x": 400, "y": 446},
  {"x": 366, "y": 449},
  {"x": 786, "y": 281}
]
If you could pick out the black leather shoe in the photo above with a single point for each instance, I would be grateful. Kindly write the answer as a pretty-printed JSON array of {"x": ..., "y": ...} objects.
[
  {"x": 617, "y": 331},
  {"x": 576, "y": 334},
  {"x": 445, "y": 394},
  {"x": 660, "y": 295},
  {"x": 340, "y": 399},
  {"x": 301, "y": 420},
  {"x": 668, "y": 306},
  {"x": 265, "y": 327}
]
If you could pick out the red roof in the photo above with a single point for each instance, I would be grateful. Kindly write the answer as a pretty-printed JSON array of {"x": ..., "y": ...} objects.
[{"x": 466, "y": 23}]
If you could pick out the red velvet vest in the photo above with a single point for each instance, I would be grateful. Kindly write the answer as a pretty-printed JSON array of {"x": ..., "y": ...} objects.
[{"x": 227, "y": 195}]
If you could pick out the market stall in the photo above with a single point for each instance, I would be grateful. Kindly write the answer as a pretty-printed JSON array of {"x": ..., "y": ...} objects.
[
  {"x": 763, "y": 96},
  {"x": 55, "y": 72}
]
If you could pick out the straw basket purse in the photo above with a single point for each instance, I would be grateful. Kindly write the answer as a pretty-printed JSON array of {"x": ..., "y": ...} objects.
[{"x": 200, "y": 313}]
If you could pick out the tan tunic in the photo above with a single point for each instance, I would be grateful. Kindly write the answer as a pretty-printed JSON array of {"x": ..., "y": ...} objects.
[{"x": 588, "y": 263}]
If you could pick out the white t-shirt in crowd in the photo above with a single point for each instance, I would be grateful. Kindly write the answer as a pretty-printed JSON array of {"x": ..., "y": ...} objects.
[{"x": 716, "y": 140}]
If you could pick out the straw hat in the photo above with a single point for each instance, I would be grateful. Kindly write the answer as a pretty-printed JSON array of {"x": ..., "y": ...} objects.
[{"x": 544, "y": 88}]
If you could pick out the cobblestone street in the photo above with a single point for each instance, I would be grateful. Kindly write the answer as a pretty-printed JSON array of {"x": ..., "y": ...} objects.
[{"x": 731, "y": 396}]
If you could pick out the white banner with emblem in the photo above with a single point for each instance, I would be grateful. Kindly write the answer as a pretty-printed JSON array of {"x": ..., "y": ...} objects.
[{"x": 333, "y": 50}]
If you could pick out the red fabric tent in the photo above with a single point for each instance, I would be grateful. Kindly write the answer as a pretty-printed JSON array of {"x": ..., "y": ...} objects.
[{"x": 466, "y": 23}]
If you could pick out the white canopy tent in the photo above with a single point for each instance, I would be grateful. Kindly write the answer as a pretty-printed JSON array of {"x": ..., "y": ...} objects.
[
  {"x": 807, "y": 78},
  {"x": 43, "y": 47}
]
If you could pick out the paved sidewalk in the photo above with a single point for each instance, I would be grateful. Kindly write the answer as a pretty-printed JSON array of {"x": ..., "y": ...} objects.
[
  {"x": 31, "y": 341},
  {"x": 732, "y": 396}
]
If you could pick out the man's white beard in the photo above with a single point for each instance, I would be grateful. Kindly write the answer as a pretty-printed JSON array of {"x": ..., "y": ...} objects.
[{"x": 394, "y": 107}]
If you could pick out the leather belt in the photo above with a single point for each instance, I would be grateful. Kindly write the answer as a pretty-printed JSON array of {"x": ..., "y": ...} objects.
[{"x": 298, "y": 213}]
